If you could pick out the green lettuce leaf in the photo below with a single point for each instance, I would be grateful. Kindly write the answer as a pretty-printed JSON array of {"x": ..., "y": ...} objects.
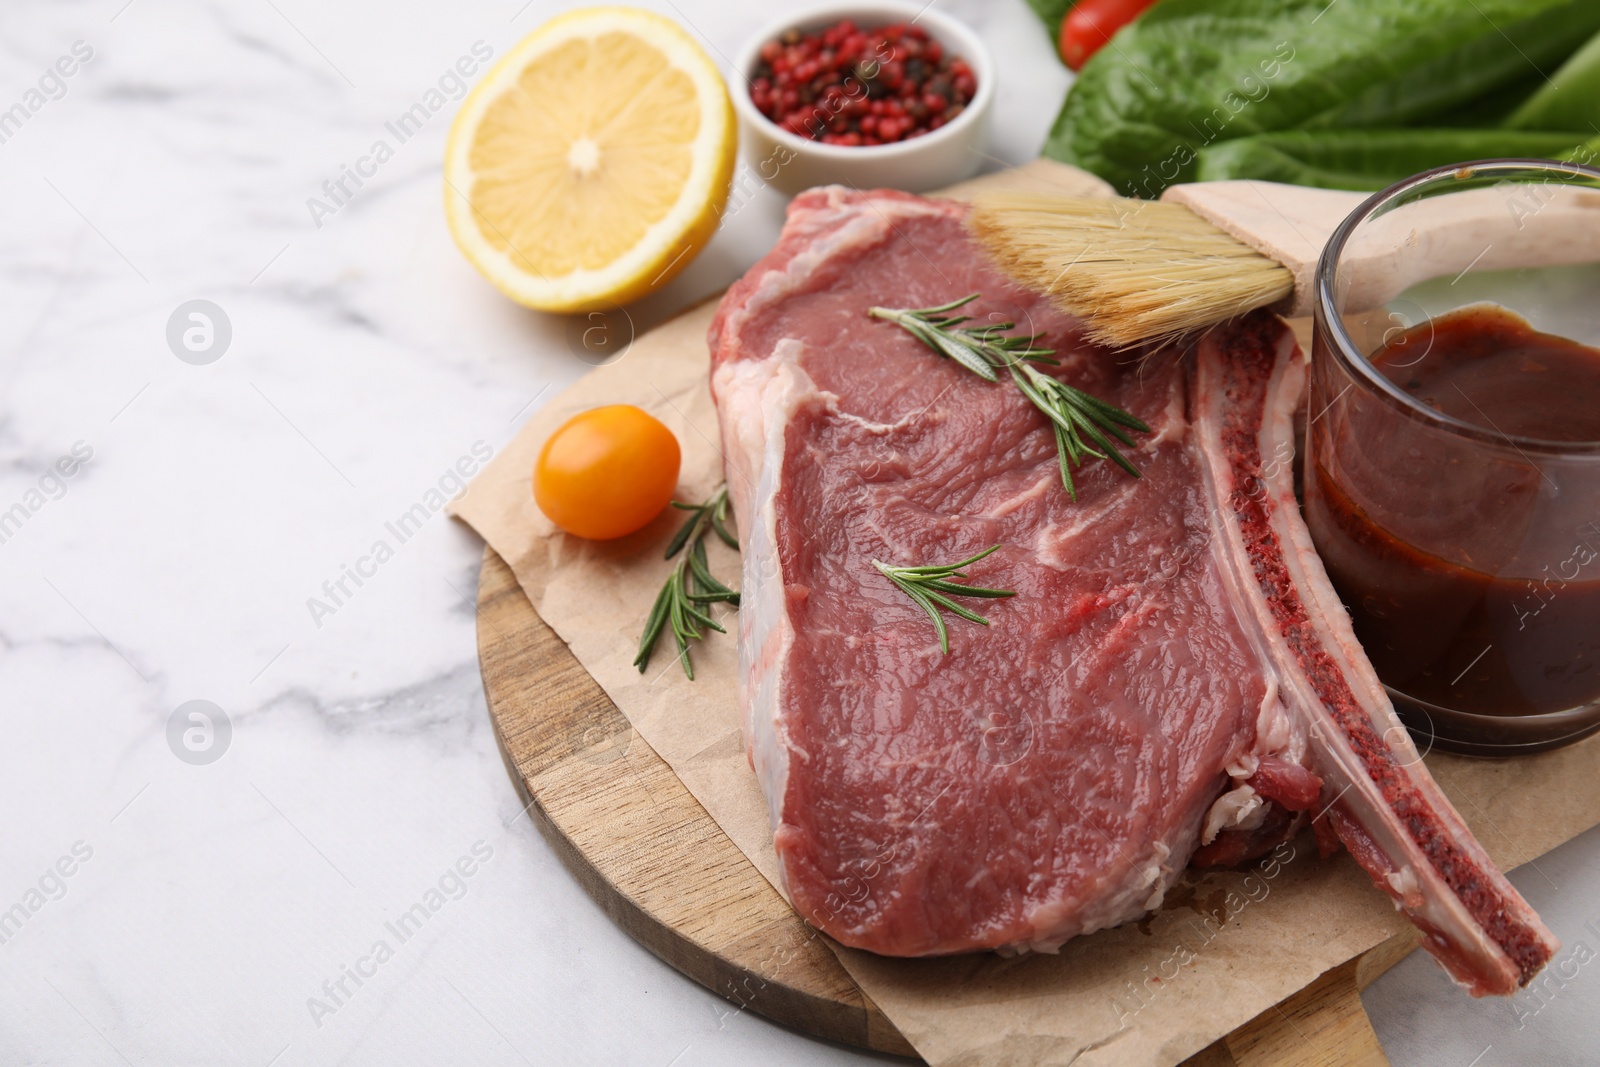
[
  {"x": 1368, "y": 160},
  {"x": 1191, "y": 74},
  {"x": 1569, "y": 99},
  {"x": 1587, "y": 153},
  {"x": 1052, "y": 12}
]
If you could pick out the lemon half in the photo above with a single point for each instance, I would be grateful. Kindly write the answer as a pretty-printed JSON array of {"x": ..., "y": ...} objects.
[{"x": 592, "y": 162}]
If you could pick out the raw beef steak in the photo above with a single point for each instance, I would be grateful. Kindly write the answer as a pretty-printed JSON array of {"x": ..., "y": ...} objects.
[{"x": 1173, "y": 675}]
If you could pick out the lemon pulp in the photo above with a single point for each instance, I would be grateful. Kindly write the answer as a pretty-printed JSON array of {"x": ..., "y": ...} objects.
[{"x": 592, "y": 162}]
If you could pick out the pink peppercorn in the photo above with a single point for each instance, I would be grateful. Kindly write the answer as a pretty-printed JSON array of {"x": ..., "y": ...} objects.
[{"x": 848, "y": 86}]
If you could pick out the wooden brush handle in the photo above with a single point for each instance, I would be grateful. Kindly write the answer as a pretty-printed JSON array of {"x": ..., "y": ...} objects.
[
  {"x": 1482, "y": 229},
  {"x": 1287, "y": 223}
]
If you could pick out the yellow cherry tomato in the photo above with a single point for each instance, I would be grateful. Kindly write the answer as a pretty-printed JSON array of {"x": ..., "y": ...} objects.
[{"x": 607, "y": 472}]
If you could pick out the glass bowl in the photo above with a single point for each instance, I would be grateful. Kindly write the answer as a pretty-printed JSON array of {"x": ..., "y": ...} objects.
[{"x": 1452, "y": 476}]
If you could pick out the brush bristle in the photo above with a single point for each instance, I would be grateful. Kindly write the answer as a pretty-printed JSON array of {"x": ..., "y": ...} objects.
[{"x": 1130, "y": 270}]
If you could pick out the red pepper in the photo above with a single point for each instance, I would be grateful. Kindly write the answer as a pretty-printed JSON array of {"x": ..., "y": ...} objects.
[{"x": 1091, "y": 24}]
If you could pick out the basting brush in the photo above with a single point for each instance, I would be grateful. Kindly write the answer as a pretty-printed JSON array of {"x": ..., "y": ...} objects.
[{"x": 1141, "y": 270}]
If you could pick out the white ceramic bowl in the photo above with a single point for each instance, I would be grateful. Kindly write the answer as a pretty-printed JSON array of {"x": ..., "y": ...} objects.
[{"x": 792, "y": 163}]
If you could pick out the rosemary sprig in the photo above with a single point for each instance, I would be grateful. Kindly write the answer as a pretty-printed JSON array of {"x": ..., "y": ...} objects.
[
  {"x": 931, "y": 588},
  {"x": 691, "y": 584},
  {"x": 979, "y": 349},
  {"x": 1074, "y": 414}
]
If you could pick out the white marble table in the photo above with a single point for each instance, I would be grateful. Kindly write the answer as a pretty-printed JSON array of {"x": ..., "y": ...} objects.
[{"x": 178, "y": 912}]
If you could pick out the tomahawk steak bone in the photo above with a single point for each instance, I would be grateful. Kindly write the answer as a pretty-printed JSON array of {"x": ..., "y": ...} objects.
[{"x": 1175, "y": 680}]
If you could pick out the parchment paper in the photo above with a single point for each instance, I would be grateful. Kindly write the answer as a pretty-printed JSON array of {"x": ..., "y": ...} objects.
[{"x": 1225, "y": 946}]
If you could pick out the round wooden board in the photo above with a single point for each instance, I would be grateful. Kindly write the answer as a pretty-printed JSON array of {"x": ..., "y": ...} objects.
[
  {"x": 658, "y": 864},
  {"x": 641, "y": 845}
]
